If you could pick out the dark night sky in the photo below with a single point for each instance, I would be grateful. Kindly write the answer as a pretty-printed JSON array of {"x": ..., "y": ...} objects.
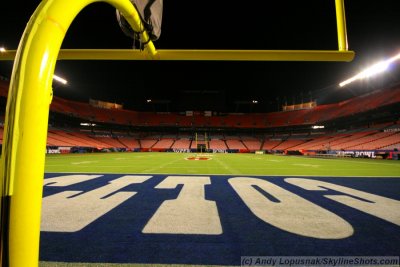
[{"x": 373, "y": 33}]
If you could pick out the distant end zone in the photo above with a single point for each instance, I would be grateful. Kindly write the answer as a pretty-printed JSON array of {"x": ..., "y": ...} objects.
[
  {"x": 215, "y": 220},
  {"x": 198, "y": 158}
]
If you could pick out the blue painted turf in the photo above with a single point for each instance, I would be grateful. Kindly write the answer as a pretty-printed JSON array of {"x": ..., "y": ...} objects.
[{"x": 116, "y": 237}]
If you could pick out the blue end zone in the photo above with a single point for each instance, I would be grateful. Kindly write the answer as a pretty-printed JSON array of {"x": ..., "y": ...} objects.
[{"x": 116, "y": 237}]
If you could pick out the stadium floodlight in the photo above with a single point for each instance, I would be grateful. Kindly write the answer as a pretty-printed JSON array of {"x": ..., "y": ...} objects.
[
  {"x": 2, "y": 49},
  {"x": 59, "y": 79},
  {"x": 318, "y": 127},
  {"x": 371, "y": 71}
]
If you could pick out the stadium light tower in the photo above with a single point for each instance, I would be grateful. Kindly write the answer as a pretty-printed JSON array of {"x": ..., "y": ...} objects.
[
  {"x": 59, "y": 79},
  {"x": 371, "y": 71}
]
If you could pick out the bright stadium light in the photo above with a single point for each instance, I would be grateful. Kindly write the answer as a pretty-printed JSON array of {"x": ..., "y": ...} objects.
[
  {"x": 318, "y": 127},
  {"x": 59, "y": 79},
  {"x": 371, "y": 71},
  {"x": 2, "y": 49}
]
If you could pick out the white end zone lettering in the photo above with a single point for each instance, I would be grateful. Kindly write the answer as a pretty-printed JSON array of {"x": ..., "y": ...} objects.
[
  {"x": 189, "y": 213},
  {"x": 382, "y": 207},
  {"x": 65, "y": 213},
  {"x": 292, "y": 213}
]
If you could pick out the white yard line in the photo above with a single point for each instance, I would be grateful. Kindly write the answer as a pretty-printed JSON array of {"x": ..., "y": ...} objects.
[
  {"x": 83, "y": 162},
  {"x": 226, "y": 167},
  {"x": 306, "y": 165},
  {"x": 161, "y": 166}
]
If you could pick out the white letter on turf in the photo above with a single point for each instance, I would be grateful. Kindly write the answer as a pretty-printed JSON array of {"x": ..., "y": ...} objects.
[
  {"x": 69, "y": 179},
  {"x": 63, "y": 212},
  {"x": 292, "y": 213},
  {"x": 382, "y": 207},
  {"x": 189, "y": 213}
]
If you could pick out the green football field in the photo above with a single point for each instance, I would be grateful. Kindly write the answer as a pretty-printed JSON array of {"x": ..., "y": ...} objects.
[
  {"x": 220, "y": 164},
  {"x": 235, "y": 164}
]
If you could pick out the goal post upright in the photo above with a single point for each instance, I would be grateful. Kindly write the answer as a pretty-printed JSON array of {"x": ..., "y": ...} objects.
[
  {"x": 206, "y": 141},
  {"x": 341, "y": 26}
]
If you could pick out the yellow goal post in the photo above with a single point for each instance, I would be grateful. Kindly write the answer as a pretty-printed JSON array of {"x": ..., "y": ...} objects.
[{"x": 30, "y": 95}]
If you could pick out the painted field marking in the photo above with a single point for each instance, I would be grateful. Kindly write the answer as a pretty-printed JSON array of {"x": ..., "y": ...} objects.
[
  {"x": 69, "y": 212},
  {"x": 289, "y": 212},
  {"x": 381, "y": 207},
  {"x": 84, "y": 162},
  {"x": 67, "y": 180},
  {"x": 306, "y": 165},
  {"x": 189, "y": 213}
]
